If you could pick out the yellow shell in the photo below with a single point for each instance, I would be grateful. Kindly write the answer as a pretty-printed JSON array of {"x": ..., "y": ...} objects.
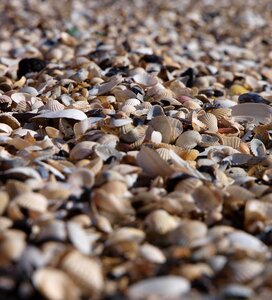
[{"x": 237, "y": 89}]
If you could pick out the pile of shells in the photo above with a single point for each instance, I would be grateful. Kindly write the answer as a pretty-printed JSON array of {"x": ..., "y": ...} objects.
[{"x": 135, "y": 150}]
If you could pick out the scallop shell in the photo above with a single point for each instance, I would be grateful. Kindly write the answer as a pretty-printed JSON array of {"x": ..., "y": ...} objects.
[
  {"x": 188, "y": 139},
  {"x": 132, "y": 102},
  {"x": 232, "y": 141},
  {"x": 257, "y": 147},
  {"x": 84, "y": 271},
  {"x": 210, "y": 121},
  {"x": 190, "y": 154},
  {"x": 164, "y": 153},
  {"x": 170, "y": 128},
  {"x": 53, "y": 105},
  {"x": 221, "y": 113}
]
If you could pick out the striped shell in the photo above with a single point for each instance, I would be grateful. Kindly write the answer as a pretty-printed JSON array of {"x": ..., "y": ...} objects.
[
  {"x": 188, "y": 139},
  {"x": 85, "y": 271},
  {"x": 210, "y": 121}
]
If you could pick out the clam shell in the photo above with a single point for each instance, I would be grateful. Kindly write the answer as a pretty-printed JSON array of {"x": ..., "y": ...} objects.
[
  {"x": 208, "y": 140},
  {"x": 187, "y": 233},
  {"x": 188, "y": 185},
  {"x": 154, "y": 111},
  {"x": 243, "y": 270},
  {"x": 152, "y": 254},
  {"x": 145, "y": 80},
  {"x": 221, "y": 113},
  {"x": 188, "y": 139},
  {"x": 8, "y": 119},
  {"x": 134, "y": 134},
  {"x": 32, "y": 201},
  {"x": 160, "y": 222},
  {"x": 105, "y": 86},
  {"x": 82, "y": 150},
  {"x": 55, "y": 284},
  {"x": 84, "y": 271},
  {"x": 152, "y": 164},
  {"x": 74, "y": 114},
  {"x": 210, "y": 121},
  {"x": 257, "y": 147},
  {"x": 163, "y": 287},
  {"x": 259, "y": 113}
]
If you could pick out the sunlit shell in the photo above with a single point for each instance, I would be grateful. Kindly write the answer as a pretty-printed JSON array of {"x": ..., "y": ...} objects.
[
  {"x": 164, "y": 153},
  {"x": 32, "y": 201},
  {"x": 195, "y": 271},
  {"x": 145, "y": 79},
  {"x": 233, "y": 142},
  {"x": 257, "y": 147},
  {"x": 152, "y": 254},
  {"x": 190, "y": 154},
  {"x": 9, "y": 120},
  {"x": 188, "y": 185},
  {"x": 188, "y": 139},
  {"x": 163, "y": 287},
  {"x": 74, "y": 114},
  {"x": 154, "y": 111},
  {"x": 221, "y": 113},
  {"x": 82, "y": 177},
  {"x": 53, "y": 105},
  {"x": 159, "y": 221},
  {"x": 134, "y": 134},
  {"x": 210, "y": 121},
  {"x": 85, "y": 271},
  {"x": 126, "y": 234},
  {"x": 55, "y": 284}
]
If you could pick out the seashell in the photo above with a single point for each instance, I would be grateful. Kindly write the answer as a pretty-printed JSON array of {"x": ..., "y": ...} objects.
[
  {"x": 12, "y": 244},
  {"x": 170, "y": 128},
  {"x": 134, "y": 134},
  {"x": 22, "y": 173},
  {"x": 232, "y": 141},
  {"x": 237, "y": 89},
  {"x": 237, "y": 291},
  {"x": 81, "y": 177},
  {"x": 195, "y": 271},
  {"x": 188, "y": 185},
  {"x": 32, "y": 201},
  {"x": 247, "y": 243},
  {"x": 29, "y": 90},
  {"x": 152, "y": 164},
  {"x": 160, "y": 222},
  {"x": 4, "y": 128},
  {"x": 210, "y": 121},
  {"x": 74, "y": 114},
  {"x": 163, "y": 287},
  {"x": 125, "y": 234},
  {"x": 243, "y": 270},
  {"x": 208, "y": 140},
  {"x": 18, "y": 97},
  {"x": 221, "y": 113},
  {"x": 128, "y": 109},
  {"x": 190, "y": 154},
  {"x": 4, "y": 201},
  {"x": 86, "y": 272},
  {"x": 82, "y": 150},
  {"x": 152, "y": 254},
  {"x": 132, "y": 102},
  {"x": 145, "y": 80},
  {"x": 164, "y": 153},
  {"x": 188, "y": 139},
  {"x": 55, "y": 284},
  {"x": 257, "y": 147},
  {"x": 154, "y": 111},
  {"x": 187, "y": 233},
  {"x": 257, "y": 112},
  {"x": 53, "y": 105},
  {"x": 251, "y": 98},
  {"x": 8, "y": 119},
  {"x": 53, "y": 132},
  {"x": 105, "y": 86}
]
